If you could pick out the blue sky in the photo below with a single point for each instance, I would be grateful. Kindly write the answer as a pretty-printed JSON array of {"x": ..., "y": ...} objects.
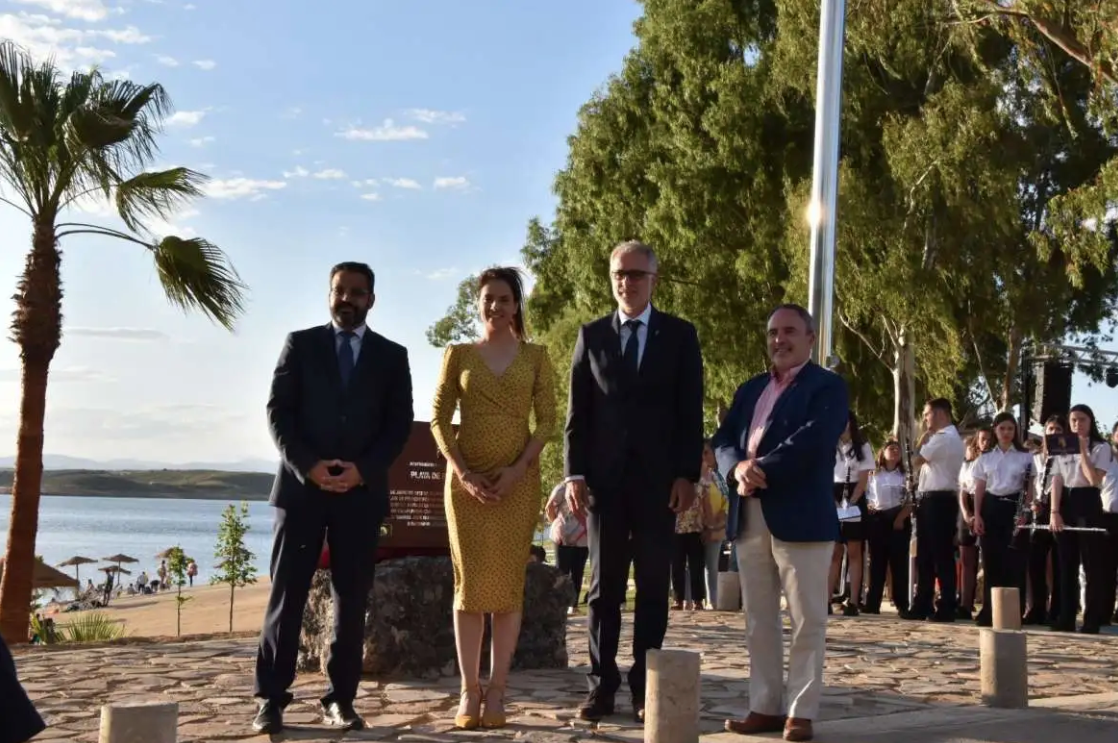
[{"x": 418, "y": 136}]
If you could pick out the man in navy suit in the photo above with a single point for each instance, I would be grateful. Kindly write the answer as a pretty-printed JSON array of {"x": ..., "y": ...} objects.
[
  {"x": 340, "y": 412},
  {"x": 776, "y": 449}
]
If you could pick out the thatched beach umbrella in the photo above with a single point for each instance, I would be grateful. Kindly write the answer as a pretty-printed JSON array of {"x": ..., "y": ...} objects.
[
  {"x": 44, "y": 576},
  {"x": 118, "y": 559},
  {"x": 76, "y": 562}
]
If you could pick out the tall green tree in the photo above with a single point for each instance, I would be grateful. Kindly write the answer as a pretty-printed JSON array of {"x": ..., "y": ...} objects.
[
  {"x": 460, "y": 321},
  {"x": 63, "y": 140},
  {"x": 237, "y": 562}
]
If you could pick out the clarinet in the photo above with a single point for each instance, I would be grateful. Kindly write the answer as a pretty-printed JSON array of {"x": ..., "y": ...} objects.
[
  {"x": 1022, "y": 500},
  {"x": 909, "y": 499}
]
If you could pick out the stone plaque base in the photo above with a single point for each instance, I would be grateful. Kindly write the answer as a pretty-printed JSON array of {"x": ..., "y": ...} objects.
[{"x": 409, "y": 626}]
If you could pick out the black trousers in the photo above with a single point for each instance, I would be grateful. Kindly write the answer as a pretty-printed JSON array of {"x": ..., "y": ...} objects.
[
  {"x": 1003, "y": 558},
  {"x": 1042, "y": 544},
  {"x": 1082, "y": 507},
  {"x": 629, "y": 525},
  {"x": 350, "y": 523},
  {"x": 19, "y": 721},
  {"x": 888, "y": 552},
  {"x": 937, "y": 514},
  {"x": 572, "y": 563},
  {"x": 688, "y": 556}
]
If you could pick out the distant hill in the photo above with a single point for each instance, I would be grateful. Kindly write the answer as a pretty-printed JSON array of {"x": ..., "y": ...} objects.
[
  {"x": 201, "y": 484},
  {"x": 64, "y": 462}
]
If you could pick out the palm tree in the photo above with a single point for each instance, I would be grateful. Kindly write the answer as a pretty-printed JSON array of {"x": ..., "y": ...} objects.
[{"x": 63, "y": 141}]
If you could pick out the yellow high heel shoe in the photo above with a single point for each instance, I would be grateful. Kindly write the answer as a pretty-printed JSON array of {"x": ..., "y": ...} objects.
[
  {"x": 469, "y": 709},
  {"x": 494, "y": 715}
]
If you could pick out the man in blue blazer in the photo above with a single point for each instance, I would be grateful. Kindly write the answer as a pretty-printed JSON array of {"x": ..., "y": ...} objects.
[{"x": 776, "y": 449}]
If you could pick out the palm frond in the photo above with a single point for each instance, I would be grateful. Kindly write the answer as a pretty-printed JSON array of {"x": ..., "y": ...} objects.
[
  {"x": 156, "y": 194},
  {"x": 196, "y": 274},
  {"x": 16, "y": 119}
]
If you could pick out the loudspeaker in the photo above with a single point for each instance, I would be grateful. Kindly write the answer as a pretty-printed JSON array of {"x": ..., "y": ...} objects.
[{"x": 1053, "y": 390}]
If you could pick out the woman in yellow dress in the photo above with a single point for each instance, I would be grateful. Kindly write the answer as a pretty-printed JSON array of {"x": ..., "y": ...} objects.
[{"x": 493, "y": 482}]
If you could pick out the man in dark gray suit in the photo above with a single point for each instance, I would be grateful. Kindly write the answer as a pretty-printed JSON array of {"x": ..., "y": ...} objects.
[
  {"x": 340, "y": 412},
  {"x": 634, "y": 448}
]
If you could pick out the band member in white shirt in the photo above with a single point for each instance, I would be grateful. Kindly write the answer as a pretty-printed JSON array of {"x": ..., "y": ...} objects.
[
  {"x": 888, "y": 529},
  {"x": 1110, "y": 518},
  {"x": 939, "y": 457},
  {"x": 853, "y": 465},
  {"x": 1045, "y": 602},
  {"x": 1002, "y": 484},
  {"x": 1080, "y": 504},
  {"x": 980, "y": 442}
]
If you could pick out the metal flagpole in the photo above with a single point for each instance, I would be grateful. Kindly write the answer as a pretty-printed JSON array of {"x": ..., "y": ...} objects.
[{"x": 822, "y": 209}]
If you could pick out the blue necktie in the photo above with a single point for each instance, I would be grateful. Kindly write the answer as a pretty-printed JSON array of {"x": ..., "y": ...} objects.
[{"x": 345, "y": 355}]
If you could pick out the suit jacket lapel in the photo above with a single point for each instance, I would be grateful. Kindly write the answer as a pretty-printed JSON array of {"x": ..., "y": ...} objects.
[
  {"x": 330, "y": 356},
  {"x": 651, "y": 344}
]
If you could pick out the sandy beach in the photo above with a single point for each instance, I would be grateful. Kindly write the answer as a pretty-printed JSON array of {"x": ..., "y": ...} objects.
[{"x": 206, "y": 613}]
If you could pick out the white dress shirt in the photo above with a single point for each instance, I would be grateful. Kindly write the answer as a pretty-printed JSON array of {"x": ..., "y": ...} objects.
[
  {"x": 966, "y": 476},
  {"x": 886, "y": 489},
  {"x": 354, "y": 342},
  {"x": 1003, "y": 471},
  {"x": 848, "y": 467},
  {"x": 642, "y": 330},
  {"x": 1110, "y": 488},
  {"x": 1069, "y": 469},
  {"x": 943, "y": 453}
]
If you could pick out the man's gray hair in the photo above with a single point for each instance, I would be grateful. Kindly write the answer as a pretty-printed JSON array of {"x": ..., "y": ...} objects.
[
  {"x": 809, "y": 321},
  {"x": 636, "y": 246}
]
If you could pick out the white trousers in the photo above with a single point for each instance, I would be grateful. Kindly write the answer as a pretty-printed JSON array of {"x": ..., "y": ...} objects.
[{"x": 766, "y": 566}]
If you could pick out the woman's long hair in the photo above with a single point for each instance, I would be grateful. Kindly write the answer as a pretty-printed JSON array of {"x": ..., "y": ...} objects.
[
  {"x": 1009, "y": 418},
  {"x": 510, "y": 276},
  {"x": 1093, "y": 432},
  {"x": 857, "y": 440}
]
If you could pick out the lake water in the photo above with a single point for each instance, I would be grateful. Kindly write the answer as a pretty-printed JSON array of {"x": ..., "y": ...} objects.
[{"x": 139, "y": 527}]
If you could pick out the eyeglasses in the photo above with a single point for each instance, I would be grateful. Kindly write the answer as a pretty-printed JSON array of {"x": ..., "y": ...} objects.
[
  {"x": 631, "y": 275},
  {"x": 342, "y": 292}
]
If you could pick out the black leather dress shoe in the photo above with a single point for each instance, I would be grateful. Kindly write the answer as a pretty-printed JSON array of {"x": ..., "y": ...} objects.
[
  {"x": 341, "y": 715},
  {"x": 596, "y": 707},
  {"x": 269, "y": 718}
]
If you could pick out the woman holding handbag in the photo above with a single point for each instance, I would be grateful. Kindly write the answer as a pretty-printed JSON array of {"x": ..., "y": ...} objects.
[{"x": 715, "y": 504}]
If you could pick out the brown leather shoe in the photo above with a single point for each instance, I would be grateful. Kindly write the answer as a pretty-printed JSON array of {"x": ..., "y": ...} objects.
[
  {"x": 755, "y": 723},
  {"x": 797, "y": 728}
]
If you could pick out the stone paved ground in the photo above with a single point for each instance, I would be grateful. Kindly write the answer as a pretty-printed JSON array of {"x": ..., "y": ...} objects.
[{"x": 876, "y": 666}]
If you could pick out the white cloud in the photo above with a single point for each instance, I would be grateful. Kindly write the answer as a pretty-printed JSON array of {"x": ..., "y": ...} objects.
[
  {"x": 371, "y": 196},
  {"x": 366, "y": 182},
  {"x": 299, "y": 172},
  {"x": 403, "y": 183},
  {"x": 189, "y": 6},
  {"x": 330, "y": 174},
  {"x": 237, "y": 188},
  {"x": 442, "y": 273},
  {"x": 185, "y": 118},
  {"x": 292, "y": 112},
  {"x": 122, "y": 334},
  {"x": 429, "y": 116},
  {"x": 458, "y": 183},
  {"x": 83, "y": 10},
  {"x": 386, "y": 132},
  {"x": 205, "y": 64},
  {"x": 161, "y": 228},
  {"x": 166, "y": 61},
  {"x": 201, "y": 141},
  {"x": 63, "y": 374},
  {"x": 71, "y": 48}
]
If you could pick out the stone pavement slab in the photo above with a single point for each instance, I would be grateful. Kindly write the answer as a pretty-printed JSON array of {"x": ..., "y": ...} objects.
[{"x": 917, "y": 677}]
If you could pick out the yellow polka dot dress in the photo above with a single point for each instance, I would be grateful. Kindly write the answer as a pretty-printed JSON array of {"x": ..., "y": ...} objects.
[{"x": 489, "y": 542}]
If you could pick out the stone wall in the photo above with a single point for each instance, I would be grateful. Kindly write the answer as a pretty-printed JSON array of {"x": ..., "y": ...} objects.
[{"x": 409, "y": 626}]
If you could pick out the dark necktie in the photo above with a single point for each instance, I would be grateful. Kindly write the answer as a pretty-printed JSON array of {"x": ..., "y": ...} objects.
[
  {"x": 630, "y": 356},
  {"x": 345, "y": 355}
]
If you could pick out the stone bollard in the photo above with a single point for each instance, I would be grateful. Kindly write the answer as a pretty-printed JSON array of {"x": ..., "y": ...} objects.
[
  {"x": 729, "y": 592},
  {"x": 1006, "y": 610},
  {"x": 671, "y": 696},
  {"x": 139, "y": 722},
  {"x": 1004, "y": 668}
]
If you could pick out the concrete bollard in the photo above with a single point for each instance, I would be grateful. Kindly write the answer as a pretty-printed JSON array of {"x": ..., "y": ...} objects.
[
  {"x": 139, "y": 722},
  {"x": 1006, "y": 610},
  {"x": 671, "y": 713},
  {"x": 729, "y": 592},
  {"x": 1004, "y": 668}
]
